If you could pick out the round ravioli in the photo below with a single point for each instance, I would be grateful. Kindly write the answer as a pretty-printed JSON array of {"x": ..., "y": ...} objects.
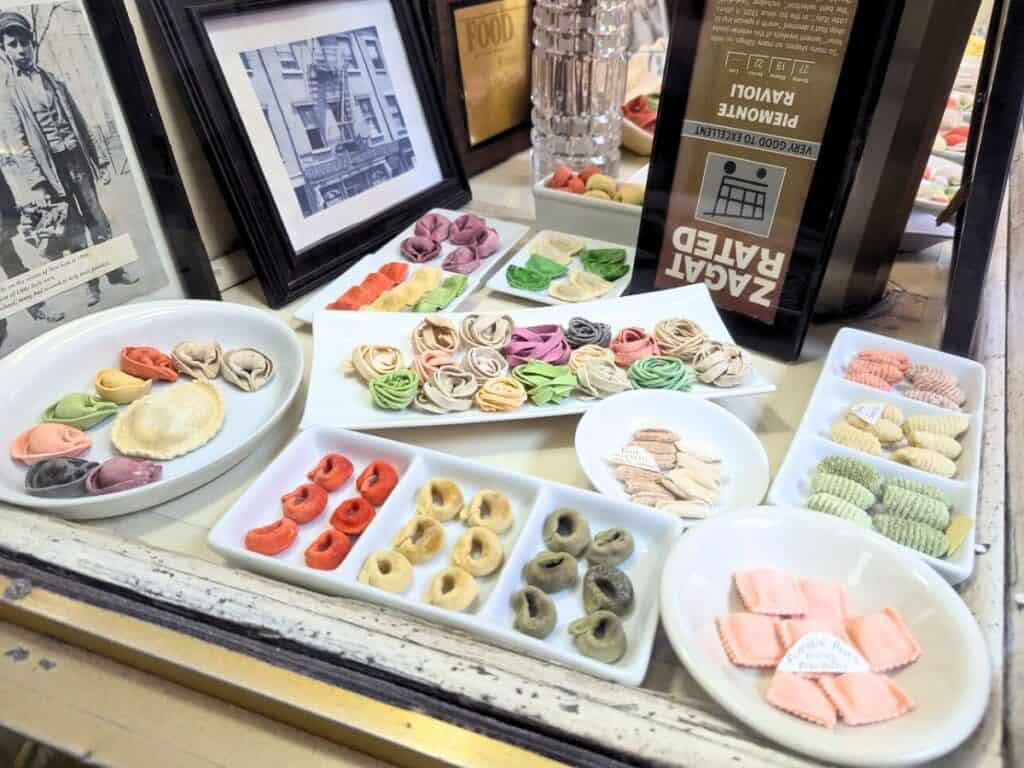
[{"x": 170, "y": 422}]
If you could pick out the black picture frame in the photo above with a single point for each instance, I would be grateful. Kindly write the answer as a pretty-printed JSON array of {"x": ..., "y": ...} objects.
[
  {"x": 283, "y": 273},
  {"x": 123, "y": 59},
  {"x": 995, "y": 127},
  {"x": 439, "y": 15}
]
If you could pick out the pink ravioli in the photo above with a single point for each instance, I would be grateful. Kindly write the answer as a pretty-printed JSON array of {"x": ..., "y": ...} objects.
[
  {"x": 750, "y": 639},
  {"x": 883, "y": 639},
  {"x": 801, "y": 697},
  {"x": 825, "y": 600},
  {"x": 865, "y": 697},
  {"x": 791, "y": 630},
  {"x": 766, "y": 590}
]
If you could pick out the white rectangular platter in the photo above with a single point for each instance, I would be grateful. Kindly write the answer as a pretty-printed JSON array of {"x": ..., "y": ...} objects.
[
  {"x": 490, "y": 616},
  {"x": 509, "y": 234},
  {"x": 833, "y": 395},
  {"x": 499, "y": 280},
  {"x": 340, "y": 399}
]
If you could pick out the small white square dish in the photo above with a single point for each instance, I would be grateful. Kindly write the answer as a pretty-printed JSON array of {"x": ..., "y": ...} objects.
[
  {"x": 509, "y": 234},
  {"x": 499, "y": 280}
]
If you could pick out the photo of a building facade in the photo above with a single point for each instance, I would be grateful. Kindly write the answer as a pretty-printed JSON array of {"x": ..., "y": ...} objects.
[{"x": 332, "y": 108}]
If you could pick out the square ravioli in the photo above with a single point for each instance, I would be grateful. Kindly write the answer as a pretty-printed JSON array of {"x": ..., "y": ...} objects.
[
  {"x": 883, "y": 639},
  {"x": 750, "y": 639},
  {"x": 791, "y": 630},
  {"x": 766, "y": 590},
  {"x": 825, "y": 600},
  {"x": 801, "y": 697},
  {"x": 863, "y": 698}
]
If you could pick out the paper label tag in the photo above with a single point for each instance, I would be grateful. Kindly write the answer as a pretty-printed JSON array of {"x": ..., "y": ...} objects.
[
  {"x": 821, "y": 653},
  {"x": 870, "y": 412},
  {"x": 632, "y": 456}
]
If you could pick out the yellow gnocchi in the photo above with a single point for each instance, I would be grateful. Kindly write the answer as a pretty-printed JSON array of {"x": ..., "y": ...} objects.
[
  {"x": 886, "y": 430},
  {"x": 926, "y": 460},
  {"x": 950, "y": 425},
  {"x": 947, "y": 446},
  {"x": 848, "y": 435}
]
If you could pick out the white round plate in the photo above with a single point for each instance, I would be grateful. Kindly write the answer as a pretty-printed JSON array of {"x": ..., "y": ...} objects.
[
  {"x": 66, "y": 359},
  {"x": 608, "y": 425},
  {"x": 949, "y": 683}
]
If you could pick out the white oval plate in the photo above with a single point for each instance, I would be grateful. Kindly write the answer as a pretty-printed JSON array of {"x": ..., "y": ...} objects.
[
  {"x": 66, "y": 359},
  {"x": 608, "y": 425},
  {"x": 949, "y": 683}
]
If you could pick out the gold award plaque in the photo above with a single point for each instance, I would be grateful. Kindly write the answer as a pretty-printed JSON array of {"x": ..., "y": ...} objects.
[{"x": 494, "y": 61}]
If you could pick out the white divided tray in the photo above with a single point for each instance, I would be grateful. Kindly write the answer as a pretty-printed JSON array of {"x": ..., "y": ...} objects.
[
  {"x": 340, "y": 399},
  {"x": 499, "y": 280},
  {"x": 508, "y": 235},
  {"x": 66, "y": 360},
  {"x": 491, "y": 615},
  {"x": 833, "y": 395}
]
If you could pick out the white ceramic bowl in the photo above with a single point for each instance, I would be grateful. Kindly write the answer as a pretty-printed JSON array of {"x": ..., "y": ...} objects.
[
  {"x": 949, "y": 683},
  {"x": 586, "y": 216},
  {"x": 607, "y": 427}
]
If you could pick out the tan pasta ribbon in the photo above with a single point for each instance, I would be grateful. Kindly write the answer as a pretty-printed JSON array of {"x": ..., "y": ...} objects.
[
  {"x": 504, "y": 394},
  {"x": 373, "y": 360},
  {"x": 722, "y": 365},
  {"x": 486, "y": 330},
  {"x": 588, "y": 352},
  {"x": 679, "y": 337},
  {"x": 599, "y": 378},
  {"x": 485, "y": 363},
  {"x": 451, "y": 389},
  {"x": 435, "y": 333}
]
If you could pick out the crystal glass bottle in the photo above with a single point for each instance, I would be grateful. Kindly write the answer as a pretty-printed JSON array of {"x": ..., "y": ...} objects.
[{"x": 579, "y": 83}]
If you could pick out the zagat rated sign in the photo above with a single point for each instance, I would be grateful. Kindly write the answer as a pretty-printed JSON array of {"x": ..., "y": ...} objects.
[{"x": 760, "y": 96}]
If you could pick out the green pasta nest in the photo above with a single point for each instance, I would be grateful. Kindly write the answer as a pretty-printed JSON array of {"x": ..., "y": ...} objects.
[
  {"x": 833, "y": 505},
  {"x": 843, "y": 488},
  {"x": 922, "y": 488},
  {"x": 910, "y": 505},
  {"x": 852, "y": 469},
  {"x": 923, "y": 538}
]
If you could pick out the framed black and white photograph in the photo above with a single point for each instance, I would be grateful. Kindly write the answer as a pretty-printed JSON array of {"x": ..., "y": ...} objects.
[
  {"x": 324, "y": 122},
  {"x": 92, "y": 212}
]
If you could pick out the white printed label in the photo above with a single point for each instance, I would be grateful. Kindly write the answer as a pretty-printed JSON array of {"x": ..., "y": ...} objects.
[
  {"x": 61, "y": 275},
  {"x": 870, "y": 412},
  {"x": 632, "y": 456},
  {"x": 821, "y": 653}
]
